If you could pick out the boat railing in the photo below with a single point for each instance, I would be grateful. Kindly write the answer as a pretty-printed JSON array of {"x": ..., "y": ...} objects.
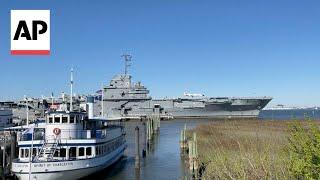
[
  {"x": 28, "y": 137},
  {"x": 83, "y": 134},
  {"x": 72, "y": 134}
]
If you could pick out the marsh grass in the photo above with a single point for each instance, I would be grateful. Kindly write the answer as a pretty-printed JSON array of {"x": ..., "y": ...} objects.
[{"x": 245, "y": 149}]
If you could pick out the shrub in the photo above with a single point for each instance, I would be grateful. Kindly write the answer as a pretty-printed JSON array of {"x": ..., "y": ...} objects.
[{"x": 304, "y": 151}]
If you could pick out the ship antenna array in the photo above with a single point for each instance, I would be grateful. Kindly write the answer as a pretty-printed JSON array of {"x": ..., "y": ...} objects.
[
  {"x": 71, "y": 90},
  {"x": 127, "y": 59}
]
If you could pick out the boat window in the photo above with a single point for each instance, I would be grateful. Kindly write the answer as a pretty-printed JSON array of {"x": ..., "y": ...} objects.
[
  {"x": 77, "y": 119},
  {"x": 34, "y": 152},
  {"x": 22, "y": 153},
  {"x": 63, "y": 152},
  {"x": 71, "y": 119},
  {"x": 56, "y": 119},
  {"x": 81, "y": 151},
  {"x": 88, "y": 151},
  {"x": 97, "y": 150},
  {"x": 56, "y": 154},
  {"x": 50, "y": 119},
  {"x": 64, "y": 119},
  {"x": 26, "y": 153},
  {"x": 72, "y": 152}
]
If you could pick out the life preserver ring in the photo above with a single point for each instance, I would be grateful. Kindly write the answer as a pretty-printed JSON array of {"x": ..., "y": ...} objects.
[{"x": 56, "y": 131}]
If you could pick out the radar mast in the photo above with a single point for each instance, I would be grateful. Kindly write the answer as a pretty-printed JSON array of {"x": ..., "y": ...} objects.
[{"x": 127, "y": 59}]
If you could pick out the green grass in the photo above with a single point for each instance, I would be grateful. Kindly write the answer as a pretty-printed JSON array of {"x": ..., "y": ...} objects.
[{"x": 245, "y": 149}]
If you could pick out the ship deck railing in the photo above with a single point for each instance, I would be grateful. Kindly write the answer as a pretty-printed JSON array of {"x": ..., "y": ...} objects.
[{"x": 71, "y": 134}]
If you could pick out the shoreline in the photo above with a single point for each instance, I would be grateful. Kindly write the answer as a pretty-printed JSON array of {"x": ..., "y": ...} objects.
[{"x": 237, "y": 149}]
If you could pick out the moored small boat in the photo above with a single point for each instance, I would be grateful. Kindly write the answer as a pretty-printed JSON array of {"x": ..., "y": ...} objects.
[{"x": 68, "y": 145}]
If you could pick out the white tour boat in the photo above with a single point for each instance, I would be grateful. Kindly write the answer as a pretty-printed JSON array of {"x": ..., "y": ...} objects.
[{"x": 68, "y": 145}]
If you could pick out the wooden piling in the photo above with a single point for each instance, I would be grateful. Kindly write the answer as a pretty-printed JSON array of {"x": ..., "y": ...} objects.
[
  {"x": 152, "y": 124},
  {"x": 195, "y": 153},
  {"x": 13, "y": 146},
  {"x": 4, "y": 158},
  {"x": 145, "y": 140},
  {"x": 183, "y": 139},
  {"x": 137, "y": 158},
  {"x": 193, "y": 156}
]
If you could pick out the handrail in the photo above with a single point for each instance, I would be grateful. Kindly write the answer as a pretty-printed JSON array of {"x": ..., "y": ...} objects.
[{"x": 51, "y": 147}]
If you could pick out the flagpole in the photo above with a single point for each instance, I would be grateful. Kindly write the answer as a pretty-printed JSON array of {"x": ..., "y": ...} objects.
[
  {"x": 30, "y": 155},
  {"x": 51, "y": 99},
  {"x": 27, "y": 110},
  {"x": 102, "y": 115},
  {"x": 71, "y": 91}
]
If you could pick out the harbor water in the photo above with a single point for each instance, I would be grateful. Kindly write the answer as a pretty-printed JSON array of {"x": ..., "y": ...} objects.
[
  {"x": 290, "y": 114},
  {"x": 163, "y": 160}
]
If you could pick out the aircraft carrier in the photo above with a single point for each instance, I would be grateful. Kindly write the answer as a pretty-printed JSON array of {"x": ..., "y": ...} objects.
[{"x": 123, "y": 98}]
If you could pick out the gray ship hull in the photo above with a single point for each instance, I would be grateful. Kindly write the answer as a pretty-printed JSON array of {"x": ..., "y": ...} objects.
[
  {"x": 189, "y": 108},
  {"x": 202, "y": 113},
  {"x": 214, "y": 107}
]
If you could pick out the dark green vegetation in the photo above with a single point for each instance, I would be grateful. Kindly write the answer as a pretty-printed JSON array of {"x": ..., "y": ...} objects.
[{"x": 255, "y": 149}]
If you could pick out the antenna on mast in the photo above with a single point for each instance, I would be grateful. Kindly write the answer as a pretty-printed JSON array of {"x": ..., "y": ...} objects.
[
  {"x": 27, "y": 106},
  {"x": 71, "y": 90},
  {"x": 127, "y": 59}
]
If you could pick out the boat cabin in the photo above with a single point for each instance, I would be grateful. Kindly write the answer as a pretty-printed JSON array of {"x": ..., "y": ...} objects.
[{"x": 70, "y": 136}]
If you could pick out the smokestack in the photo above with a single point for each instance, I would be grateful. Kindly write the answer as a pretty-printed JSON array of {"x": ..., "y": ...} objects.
[{"x": 90, "y": 101}]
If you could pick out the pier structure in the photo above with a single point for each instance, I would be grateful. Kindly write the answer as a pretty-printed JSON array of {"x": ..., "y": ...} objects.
[
  {"x": 193, "y": 155},
  {"x": 183, "y": 139},
  {"x": 8, "y": 152},
  {"x": 152, "y": 128},
  {"x": 189, "y": 151},
  {"x": 137, "y": 156}
]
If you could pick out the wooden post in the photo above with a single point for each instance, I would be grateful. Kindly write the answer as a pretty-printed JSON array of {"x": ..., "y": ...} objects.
[
  {"x": 4, "y": 159},
  {"x": 137, "y": 174},
  {"x": 159, "y": 122},
  {"x": 181, "y": 139},
  {"x": 190, "y": 145},
  {"x": 151, "y": 127},
  {"x": 148, "y": 130},
  {"x": 137, "y": 159},
  {"x": 13, "y": 146},
  {"x": 144, "y": 151},
  {"x": 195, "y": 155}
]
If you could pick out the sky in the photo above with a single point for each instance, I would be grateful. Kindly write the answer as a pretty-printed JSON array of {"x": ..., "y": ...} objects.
[{"x": 218, "y": 48}]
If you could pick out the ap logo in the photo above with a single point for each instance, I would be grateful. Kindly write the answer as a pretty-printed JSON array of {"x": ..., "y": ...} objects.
[{"x": 30, "y": 32}]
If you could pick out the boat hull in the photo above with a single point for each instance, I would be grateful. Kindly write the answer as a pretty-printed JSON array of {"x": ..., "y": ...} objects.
[{"x": 66, "y": 169}]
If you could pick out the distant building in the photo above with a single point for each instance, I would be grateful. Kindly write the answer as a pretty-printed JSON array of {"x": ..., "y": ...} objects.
[{"x": 5, "y": 118}]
